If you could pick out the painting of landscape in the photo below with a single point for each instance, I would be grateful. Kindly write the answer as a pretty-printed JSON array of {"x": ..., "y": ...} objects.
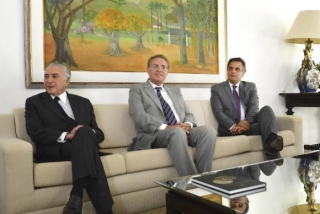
[{"x": 120, "y": 35}]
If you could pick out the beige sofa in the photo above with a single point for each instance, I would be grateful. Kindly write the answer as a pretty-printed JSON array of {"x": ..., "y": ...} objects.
[{"x": 27, "y": 187}]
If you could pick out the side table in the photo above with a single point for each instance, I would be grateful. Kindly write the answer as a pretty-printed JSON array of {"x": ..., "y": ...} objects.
[{"x": 300, "y": 100}]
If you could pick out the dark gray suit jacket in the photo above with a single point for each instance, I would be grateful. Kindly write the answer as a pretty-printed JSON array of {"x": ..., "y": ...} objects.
[
  {"x": 45, "y": 122},
  {"x": 224, "y": 107},
  {"x": 146, "y": 112}
]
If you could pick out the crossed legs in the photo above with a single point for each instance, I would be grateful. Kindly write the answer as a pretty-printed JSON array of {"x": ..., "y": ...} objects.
[{"x": 87, "y": 169}]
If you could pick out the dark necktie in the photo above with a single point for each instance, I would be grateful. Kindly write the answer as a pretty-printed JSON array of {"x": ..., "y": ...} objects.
[
  {"x": 237, "y": 100},
  {"x": 71, "y": 123},
  {"x": 170, "y": 118}
]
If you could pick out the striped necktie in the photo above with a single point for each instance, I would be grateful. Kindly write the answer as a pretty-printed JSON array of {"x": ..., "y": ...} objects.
[{"x": 168, "y": 113}]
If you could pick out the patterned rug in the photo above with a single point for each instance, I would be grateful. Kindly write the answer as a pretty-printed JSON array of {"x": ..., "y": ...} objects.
[{"x": 161, "y": 210}]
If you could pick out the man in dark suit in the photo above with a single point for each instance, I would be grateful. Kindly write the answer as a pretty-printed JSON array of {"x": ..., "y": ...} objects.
[
  {"x": 162, "y": 120},
  {"x": 63, "y": 128},
  {"x": 235, "y": 104}
]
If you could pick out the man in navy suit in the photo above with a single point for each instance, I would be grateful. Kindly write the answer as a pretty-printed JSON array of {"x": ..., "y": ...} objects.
[
  {"x": 63, "y": 128},
  {"x": 151, "y": 103},
  {"x": 235, "y": 104}
]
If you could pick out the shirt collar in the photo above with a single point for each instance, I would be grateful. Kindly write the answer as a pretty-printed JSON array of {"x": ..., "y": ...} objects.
[
  {"x": 233, "y": 84},
  {"x": 154, "y": 85},
  {"x": 63, "y": 97}
]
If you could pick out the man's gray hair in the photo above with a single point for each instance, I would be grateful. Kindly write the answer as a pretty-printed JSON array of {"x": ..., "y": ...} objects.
[{"x": 66, "y": 70}]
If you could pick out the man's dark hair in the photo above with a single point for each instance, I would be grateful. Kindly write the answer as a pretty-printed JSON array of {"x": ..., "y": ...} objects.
[
  {"x": 247, "y": 205},
  {"x": 238, "y": 59},
  {"x": 158, "y": 56}
]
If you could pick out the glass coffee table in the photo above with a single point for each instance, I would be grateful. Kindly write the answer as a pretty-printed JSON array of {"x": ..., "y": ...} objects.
[{"x": 285, "y": 190}]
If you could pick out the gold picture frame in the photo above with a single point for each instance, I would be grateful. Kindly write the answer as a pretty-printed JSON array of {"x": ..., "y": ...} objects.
[{"x": 35, "y": 60}]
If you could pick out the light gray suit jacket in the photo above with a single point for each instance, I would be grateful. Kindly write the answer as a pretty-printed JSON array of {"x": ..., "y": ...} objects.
[
  {"x": 224, "y": 107},
  {"x": 146, "y": 112}
]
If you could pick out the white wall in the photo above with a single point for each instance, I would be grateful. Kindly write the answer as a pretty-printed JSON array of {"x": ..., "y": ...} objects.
[{"x": 256, "y": 31}]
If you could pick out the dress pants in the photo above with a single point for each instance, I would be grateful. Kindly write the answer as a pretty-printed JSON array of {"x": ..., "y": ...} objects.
[
  {"x": 84, "y": 153},
  {"x": 203, "y": 138},
  {"x": 264, "y": 124}
]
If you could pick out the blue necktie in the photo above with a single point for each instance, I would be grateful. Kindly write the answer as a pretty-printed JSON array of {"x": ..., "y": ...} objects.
[
  {"x": 237, "y": 100},
  {"x": 168, "y": 113}
]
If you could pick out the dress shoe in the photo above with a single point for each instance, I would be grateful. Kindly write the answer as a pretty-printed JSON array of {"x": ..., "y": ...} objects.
[
  {"x": 279, "y": 162},
  {"x": 73, "y": 206},
  {"x": 271, "y": 155},
  {"x": 276, "y": 145}
]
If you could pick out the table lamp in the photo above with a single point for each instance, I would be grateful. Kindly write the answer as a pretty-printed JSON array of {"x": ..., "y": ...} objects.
[{"x": 306, "y": 30}]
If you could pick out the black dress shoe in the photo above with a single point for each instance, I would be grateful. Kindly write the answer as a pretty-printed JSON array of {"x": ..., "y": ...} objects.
[
  {"x": 73, "y": 206},
  {"x": 272, "y": 155},
  {"x": 279, "y": 162},
  {"x": 276, "y": 145}
]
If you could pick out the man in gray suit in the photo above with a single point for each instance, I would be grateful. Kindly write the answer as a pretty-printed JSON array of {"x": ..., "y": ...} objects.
[
  {"x": 235, "y": 104},
  {"x": 162, "y": 120}
]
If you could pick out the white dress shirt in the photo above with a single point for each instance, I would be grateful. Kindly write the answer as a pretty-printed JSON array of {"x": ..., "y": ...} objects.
[
  {"x": 65, "y": 104},
  {"x": 167, "y": 98}
]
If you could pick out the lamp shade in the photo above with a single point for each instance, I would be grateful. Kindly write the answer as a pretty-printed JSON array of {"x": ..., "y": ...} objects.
[{"x": 305, "y": 26}]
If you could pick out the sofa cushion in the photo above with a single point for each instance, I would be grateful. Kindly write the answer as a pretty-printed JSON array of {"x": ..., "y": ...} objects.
[
  {"x": 20, "y": 126},
  {"x": 59, "y": 173},
  {"x": 149, "y": 159},
  {"x": 116, "y": 123},
  {"x": 202, "y": 112},
  {"x": 257, "y": 144},
  {"x": 7, "y": 126},
  {"x": 228, "y": 146}
]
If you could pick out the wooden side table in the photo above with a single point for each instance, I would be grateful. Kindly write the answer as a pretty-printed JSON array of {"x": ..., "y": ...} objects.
[{"x": 300, "y": 100}]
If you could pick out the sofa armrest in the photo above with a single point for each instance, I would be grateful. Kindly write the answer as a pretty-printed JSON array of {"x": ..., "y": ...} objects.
[
  {"x": 293, "y": 123},
  {"x": 16, "y": 173}
]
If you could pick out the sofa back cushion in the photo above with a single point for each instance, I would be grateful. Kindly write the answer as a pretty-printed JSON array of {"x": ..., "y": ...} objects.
[
  {"x": 20, "y": 125},
  {"x": 116, "y": 124},
  {"x": 7, "y": 126},
  {"x": 202, "y": 112}
]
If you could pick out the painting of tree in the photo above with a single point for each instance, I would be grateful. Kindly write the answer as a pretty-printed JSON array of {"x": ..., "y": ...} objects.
[
  {"x": 120, "y": 35},
  {"x": 113, "y": 23},
  {"x": 60, "y": 15}
]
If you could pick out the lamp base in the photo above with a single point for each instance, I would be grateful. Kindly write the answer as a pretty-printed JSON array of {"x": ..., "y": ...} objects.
[
  {"x": 309, "y": 81},
  {"x": 308, "y": 76},
  {"x": 303, "y": 209}
]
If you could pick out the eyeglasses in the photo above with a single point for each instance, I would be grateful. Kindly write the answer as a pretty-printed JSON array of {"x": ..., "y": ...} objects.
[{"x": 161, "y": 67}]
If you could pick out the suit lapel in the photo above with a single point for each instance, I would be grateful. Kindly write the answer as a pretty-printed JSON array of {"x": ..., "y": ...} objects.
[
  {"x": 241, "y": 92},
  {"x": 75, "y": 106},
  {"x": 174, "y": 99},
  {"x": 152, "y": 94},
  {"x": 48, "y": 101},
  {"x": 229, "y": 93}
]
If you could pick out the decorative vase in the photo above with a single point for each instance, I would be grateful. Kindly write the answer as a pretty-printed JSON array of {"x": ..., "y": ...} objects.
[
  {"x": 308, "y": 80},
  {"x": 309, "y": 174}
]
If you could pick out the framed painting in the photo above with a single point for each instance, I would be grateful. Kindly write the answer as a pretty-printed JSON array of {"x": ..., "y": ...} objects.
[{"x": 106, "y": 43}]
